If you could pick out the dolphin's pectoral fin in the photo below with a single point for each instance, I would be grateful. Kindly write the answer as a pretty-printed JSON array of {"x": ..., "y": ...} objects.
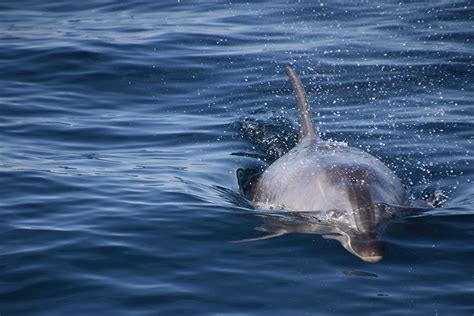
[
  {"x": 275, "y": 234},
  {"x": 332, "y": 236}
]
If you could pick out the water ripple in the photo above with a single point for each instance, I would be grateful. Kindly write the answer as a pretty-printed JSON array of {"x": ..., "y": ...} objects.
[{"x": 124, "y": 126}]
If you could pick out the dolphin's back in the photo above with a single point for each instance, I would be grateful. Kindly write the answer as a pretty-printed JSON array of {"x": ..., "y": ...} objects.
[{"x": 319, "y": 176}]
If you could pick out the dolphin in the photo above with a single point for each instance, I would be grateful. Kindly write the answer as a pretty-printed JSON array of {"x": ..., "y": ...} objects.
[{"x": 346, "y": 189}]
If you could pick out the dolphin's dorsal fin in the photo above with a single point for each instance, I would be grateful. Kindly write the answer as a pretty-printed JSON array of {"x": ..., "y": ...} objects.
[{"x": 304, "y": 111}]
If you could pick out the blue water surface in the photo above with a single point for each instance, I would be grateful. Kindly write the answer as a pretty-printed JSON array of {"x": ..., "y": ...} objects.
[{"x": 123, "y": 123}]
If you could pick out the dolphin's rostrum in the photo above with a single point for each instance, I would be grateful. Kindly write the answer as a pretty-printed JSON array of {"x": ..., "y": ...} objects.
[{"x": 349, "y": 186}]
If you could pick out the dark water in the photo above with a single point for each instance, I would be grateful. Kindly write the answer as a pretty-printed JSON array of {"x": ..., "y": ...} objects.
[{"x": 122, "y": 125}]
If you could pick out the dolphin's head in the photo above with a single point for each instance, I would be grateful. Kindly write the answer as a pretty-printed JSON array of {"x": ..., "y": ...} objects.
[
  {"x": 365, "y": 246},
  {"x": 362, "y": 240}
]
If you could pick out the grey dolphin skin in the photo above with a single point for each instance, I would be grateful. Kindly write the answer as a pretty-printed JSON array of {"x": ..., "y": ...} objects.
[{"x": 346, "y": 186}]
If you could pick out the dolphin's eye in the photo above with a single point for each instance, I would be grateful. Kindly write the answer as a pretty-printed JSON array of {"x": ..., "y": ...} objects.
[{"x": 353, "y": 180}]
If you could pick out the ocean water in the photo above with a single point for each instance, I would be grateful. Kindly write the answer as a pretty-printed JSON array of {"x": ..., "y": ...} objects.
[{"x": 123, "y": 125}]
